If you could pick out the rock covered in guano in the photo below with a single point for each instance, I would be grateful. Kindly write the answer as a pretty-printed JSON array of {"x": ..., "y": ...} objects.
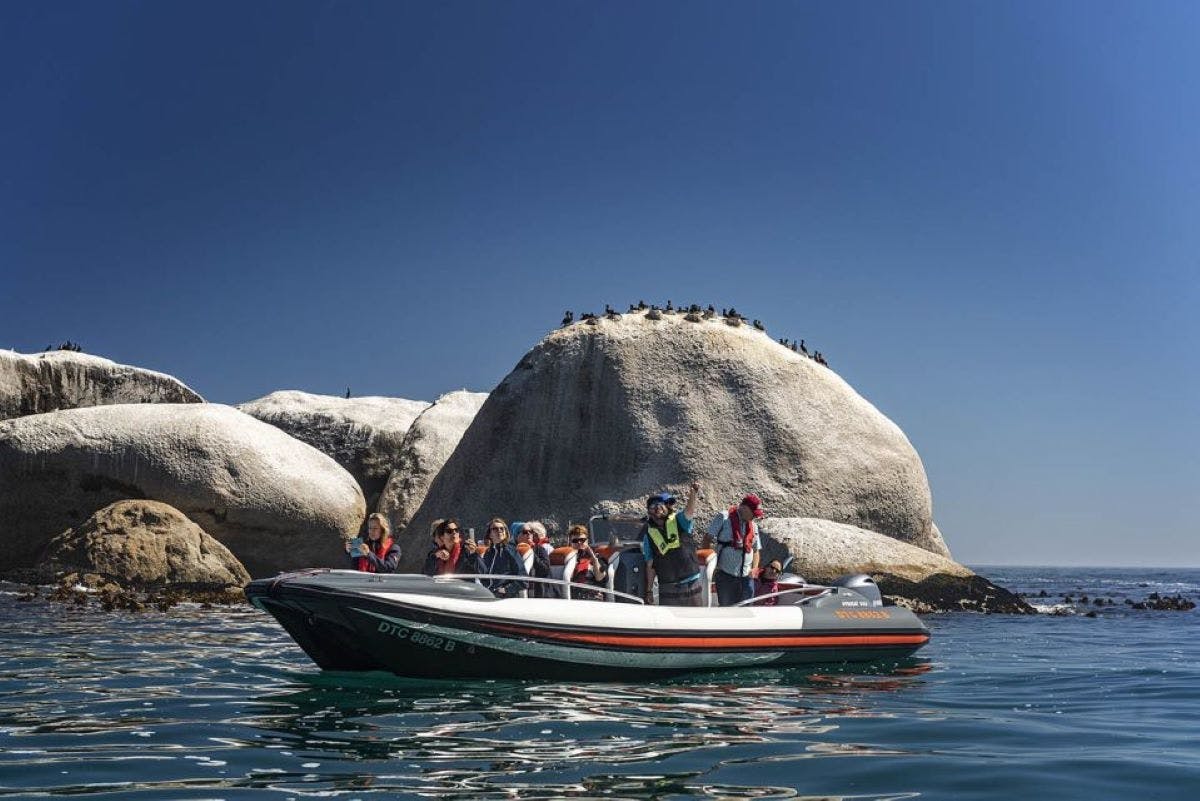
[
  {"x": 59, "y": 379},
  {"x": 274, "y": 501},
  {"x": 596, "y": 416},
  {"x": 364, "y": 435},
  {"x": 428, "y": 444},
  {"x": 143, "y": 543}
]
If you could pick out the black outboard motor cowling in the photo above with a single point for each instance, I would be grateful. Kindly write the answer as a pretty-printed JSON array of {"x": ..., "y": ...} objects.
[{"x": 864, "y": 585}]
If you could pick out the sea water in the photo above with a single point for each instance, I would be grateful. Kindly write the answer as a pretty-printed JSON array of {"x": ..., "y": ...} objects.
[{"x": 220, "y": 704}]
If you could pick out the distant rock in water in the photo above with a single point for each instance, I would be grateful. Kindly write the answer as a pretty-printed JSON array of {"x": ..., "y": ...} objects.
[
  {"x": 62, "y": 379},
  {"x": 274, "y": 501},
  {"x": 143, "y": 543},
  {"x": 363, "y": 435},
  {"x": 432, "y": 438},
  {"x": 597, "y": 417}
]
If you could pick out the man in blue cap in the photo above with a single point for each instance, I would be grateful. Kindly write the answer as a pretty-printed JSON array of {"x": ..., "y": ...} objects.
[{"x": 670, "y": 551}]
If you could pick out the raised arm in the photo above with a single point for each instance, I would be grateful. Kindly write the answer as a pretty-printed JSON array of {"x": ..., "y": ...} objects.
[{"x": 693, "y": 492}]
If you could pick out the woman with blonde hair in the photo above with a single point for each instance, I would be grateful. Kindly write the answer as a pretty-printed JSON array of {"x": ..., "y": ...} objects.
[
  {"x": 377, "y": 552},
  {"x": 530, "y": 540},
  {"x": 499, "y": 557}
]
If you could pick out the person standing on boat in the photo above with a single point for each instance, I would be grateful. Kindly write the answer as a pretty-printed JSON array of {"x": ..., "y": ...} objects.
[
  {"x": 449, "y": 554},
  {"x": 378, "y": 552},
  {"x": 670, "y": 551},
  {"x": 739, "y": 548},
  {"x": 501, "y": 558}
]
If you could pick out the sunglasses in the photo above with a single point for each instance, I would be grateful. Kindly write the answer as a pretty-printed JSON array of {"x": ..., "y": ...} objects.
[
  {"x": 450, "y": 531},
  {"x": 496, "y": 528},
  {"x": 579, "y": 539}
]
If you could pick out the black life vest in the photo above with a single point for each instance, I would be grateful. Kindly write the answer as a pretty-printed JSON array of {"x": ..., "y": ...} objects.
[{"x": 674, "y": 559}]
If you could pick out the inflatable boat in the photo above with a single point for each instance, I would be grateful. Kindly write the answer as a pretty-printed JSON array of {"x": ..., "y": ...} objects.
[{"x": 452, "y": 627}]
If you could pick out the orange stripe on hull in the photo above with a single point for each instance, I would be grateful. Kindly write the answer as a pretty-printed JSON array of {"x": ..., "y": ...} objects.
[{"x": 722, "y": 642}]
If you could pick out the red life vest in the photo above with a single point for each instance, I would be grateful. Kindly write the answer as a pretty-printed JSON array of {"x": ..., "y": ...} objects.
[
  {"x": 451, "y": 561},
  {"x": 740, "y": 540},
  {"x": 364, "y": 564}
]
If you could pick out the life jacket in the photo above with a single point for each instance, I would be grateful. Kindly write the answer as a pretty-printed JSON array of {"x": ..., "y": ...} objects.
[
  {"x": 365, "y": 565},
  {"x": 672, "y": 561},
  {"x": 742, "y": 541},
  {"x": 766, "y": 588},
  {"x": 450, "y": 564}
]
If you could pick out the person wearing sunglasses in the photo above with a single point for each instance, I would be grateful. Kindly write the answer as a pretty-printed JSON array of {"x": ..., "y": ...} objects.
[
  {"x": 500, "y": 558},
  {"x": 531, "y": 537},
  {"x": 591, "y": 569},
  {"x": 670, "y": 550},
  {"x": 449, "y": 555},
  {"x": 768, "y": 583}
]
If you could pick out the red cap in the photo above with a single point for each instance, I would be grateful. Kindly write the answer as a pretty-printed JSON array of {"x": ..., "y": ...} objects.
[{"x": 755, "y": 504}]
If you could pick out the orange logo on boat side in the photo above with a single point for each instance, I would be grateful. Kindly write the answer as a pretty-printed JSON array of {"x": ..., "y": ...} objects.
[{"x": 862, "y": 614}]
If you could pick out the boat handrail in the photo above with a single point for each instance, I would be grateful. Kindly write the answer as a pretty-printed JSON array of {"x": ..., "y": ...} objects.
[
  {"x": 505, "y": 578},
  {"x": 806, "y": 588}
]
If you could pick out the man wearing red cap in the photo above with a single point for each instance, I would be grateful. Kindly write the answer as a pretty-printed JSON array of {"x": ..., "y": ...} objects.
[{"x": 739, "y": 547}]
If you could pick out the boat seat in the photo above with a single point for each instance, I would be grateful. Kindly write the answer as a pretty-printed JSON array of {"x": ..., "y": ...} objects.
[
  {"x": 707, "y": 557},
  {"x": 559, "y": 559},
  {"x": 526, "y": 552}
]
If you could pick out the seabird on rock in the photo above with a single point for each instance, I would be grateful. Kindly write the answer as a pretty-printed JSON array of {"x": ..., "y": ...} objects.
[
  {"x": 758, "y": 324},
  {"x": 670, "y": 308},
  {"x": 803, "y": 349},
  {"x": 641, "y": 305},
  {"x": 568, "y": 318}
]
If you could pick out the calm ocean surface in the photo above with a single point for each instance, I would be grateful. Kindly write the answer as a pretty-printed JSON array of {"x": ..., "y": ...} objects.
[{"x": 221, "y": 704}]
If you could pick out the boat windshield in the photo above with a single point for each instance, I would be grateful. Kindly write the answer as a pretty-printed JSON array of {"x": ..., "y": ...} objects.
[{"x": 624, "y": 529}]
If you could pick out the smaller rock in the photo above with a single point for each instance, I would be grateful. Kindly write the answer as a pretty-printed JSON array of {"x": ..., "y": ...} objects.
[{"x": 137, "y": 544}]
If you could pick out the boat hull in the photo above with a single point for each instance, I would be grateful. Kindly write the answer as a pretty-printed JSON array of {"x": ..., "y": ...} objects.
[{"x": 414, "y": 626}]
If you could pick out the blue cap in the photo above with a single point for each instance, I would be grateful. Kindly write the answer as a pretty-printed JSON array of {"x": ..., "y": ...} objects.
[{"x": 662, "y": 497}]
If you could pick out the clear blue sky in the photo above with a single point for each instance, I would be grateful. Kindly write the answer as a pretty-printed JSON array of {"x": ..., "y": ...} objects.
[{"x": 985, "y": 214}]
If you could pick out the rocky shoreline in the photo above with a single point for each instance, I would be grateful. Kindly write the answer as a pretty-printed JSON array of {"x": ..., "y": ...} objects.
[{"x": 127, "y": 474}]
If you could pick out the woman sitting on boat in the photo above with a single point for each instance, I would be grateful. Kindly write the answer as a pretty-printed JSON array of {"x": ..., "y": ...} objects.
[
  {"x": 533, "y": 556},
  {"x": 500, "y": 558},
  {"x": 768, "y": 583},
  {"x": 378, "y": 552},
  {"x": 591, "y": 570},
  {"x": 449, "y": 555}
]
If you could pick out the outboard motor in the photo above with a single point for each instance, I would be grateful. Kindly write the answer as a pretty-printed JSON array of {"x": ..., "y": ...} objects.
[
  {"x": 630, "y": 577},
  {"x": 864, "y": 585}
]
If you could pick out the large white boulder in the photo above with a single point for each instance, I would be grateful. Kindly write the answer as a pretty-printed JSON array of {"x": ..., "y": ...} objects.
[
  {"x": 823, "y": 550},
  {"x": 62, "y": 379},
  {"x": 364, "y": 435},
  {"x": 599, "y": 414},
  {"x": 274, "y": 501},
  {"x": 432, "y": 438}
]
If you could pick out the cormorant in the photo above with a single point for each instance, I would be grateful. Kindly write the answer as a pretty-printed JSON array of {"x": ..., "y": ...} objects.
[
  {"x": 568, "y": 317},
  {"x": 758, "y": 324},
  {"x": 670, "y": 308},
  {"x": 347, "y": 392},
  {"x": 803, "y": 349}
]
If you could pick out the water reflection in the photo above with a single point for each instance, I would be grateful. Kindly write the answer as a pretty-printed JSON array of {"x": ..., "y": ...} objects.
[{"x": 176, "y": 705}]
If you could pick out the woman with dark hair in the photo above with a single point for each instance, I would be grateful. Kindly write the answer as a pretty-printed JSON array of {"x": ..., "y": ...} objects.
[
  {"x": 377, "y": 552},
  {"x": 449, "y": 555},
  {"x": 590, "y": 568},
  {"x": 500, "y": 558}
]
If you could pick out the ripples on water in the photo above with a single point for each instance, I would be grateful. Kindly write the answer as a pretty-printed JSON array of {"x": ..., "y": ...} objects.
[{"x": 221, "y": 704}]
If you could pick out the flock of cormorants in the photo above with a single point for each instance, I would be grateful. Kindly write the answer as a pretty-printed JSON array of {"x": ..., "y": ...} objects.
[
  {"x": 68, "y": 345},
  {"x": 692, "y": 313}
]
